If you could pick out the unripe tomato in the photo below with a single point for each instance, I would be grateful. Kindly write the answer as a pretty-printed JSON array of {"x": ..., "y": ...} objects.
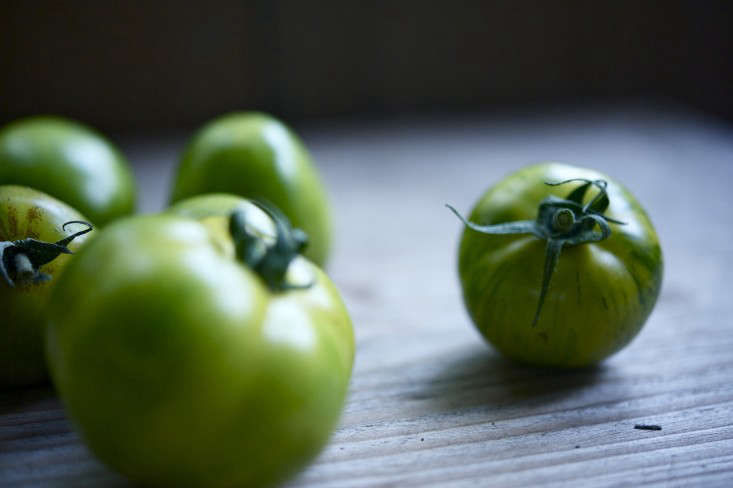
[
  {"x": 567, "y": 274},
  {"x": 70, "y": 162},
  {"x": 256, "y": 156},
  {"x": 200, "y": 352},
  {"x": 30, "y": 221}
]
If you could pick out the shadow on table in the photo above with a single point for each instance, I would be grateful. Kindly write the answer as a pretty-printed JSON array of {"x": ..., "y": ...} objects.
[
  {"x": 97, "y": 479},
  {"x": 478, "y": 377},
  {"x": 24, "y": 399}
]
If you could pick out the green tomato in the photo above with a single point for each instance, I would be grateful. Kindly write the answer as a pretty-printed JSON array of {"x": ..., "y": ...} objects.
[
  {"x": 29, "y": 214},
  {"x": 256, "y": 156},
  {"x": 181, "y": 365},
  {"x": 69, "y": 161},
  {"x": 564, "y": 281}
]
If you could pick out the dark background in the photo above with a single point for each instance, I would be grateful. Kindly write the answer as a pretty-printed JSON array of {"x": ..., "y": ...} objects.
[{"x": 129, "y": 67}]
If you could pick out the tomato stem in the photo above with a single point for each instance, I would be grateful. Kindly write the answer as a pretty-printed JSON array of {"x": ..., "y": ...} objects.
[
  {"x": 561, "y": 222},
  {"x": 21, "y": 260},
  {"x": 271, "y": 262}
]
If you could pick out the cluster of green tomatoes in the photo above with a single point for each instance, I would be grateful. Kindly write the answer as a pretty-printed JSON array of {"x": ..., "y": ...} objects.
[
  {"x": 194, "y": 347},
  {"x": 205, "y": 346}
]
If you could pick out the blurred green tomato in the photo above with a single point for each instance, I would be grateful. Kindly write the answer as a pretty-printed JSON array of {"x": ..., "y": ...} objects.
[
  {"x": 69, "y": 161},
  {"x": 200, "y": 353},
  {"x": 256, "y": 156},
  {"x": 29, "y": 267}
]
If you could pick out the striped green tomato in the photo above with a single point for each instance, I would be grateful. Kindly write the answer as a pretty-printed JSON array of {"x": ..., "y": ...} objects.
[{"x": 559, "y": 265}]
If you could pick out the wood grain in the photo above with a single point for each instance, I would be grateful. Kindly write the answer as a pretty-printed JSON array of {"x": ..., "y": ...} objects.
[{"x": 430, "y": 404}]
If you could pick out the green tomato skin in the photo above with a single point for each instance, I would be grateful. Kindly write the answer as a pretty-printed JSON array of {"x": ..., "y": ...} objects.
[
  {"x": 208, "y": 205},
  {"x": 256, "y": 156},
  {"x": 600, "y": 294},
  {"x": 25, "y": 212},
  {"x": 180, "y": 368},
  {"x": 71, "y": 162}
]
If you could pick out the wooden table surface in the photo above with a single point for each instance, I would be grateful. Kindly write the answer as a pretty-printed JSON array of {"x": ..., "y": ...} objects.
[{"x": 429, "y": 402}]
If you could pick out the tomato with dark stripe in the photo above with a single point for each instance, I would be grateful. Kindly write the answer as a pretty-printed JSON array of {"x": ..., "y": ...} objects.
[{"x": 559, "y": 265}]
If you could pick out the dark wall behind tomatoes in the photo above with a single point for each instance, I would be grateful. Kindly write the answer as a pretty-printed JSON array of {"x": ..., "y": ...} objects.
[{"x": 125, "y": 66}]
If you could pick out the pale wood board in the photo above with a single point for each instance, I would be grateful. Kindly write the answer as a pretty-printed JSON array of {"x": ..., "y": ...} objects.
[{"x": 430, "y": 404}]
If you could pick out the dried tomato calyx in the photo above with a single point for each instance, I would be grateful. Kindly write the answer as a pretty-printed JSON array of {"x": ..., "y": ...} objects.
[{"x": 21, "y": 260}]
